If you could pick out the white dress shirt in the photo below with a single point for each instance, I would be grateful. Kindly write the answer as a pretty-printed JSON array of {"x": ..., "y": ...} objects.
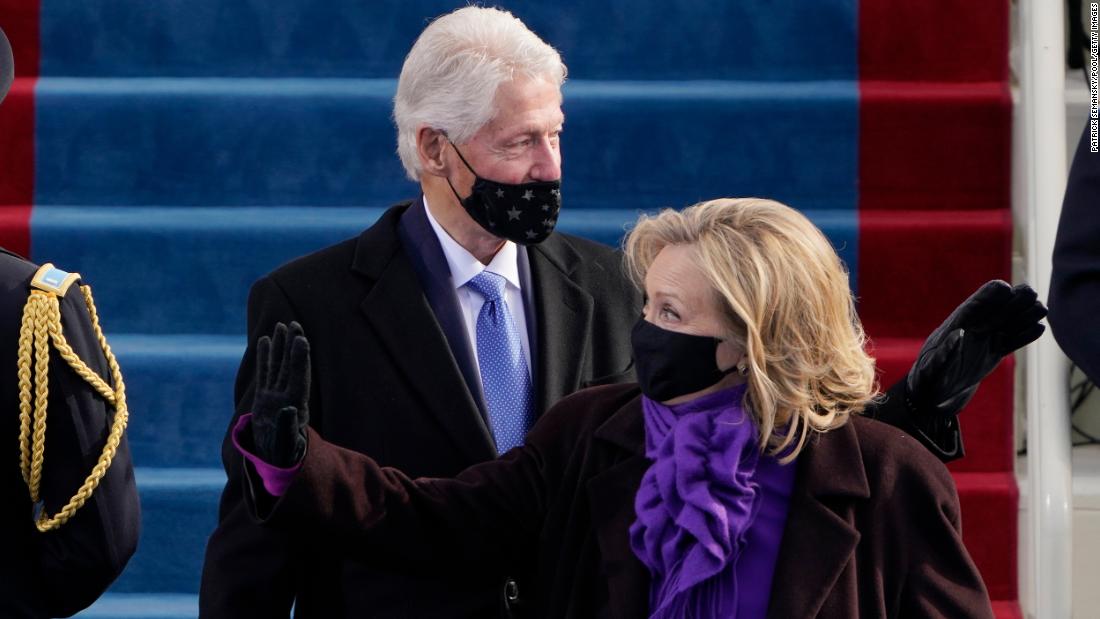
[{"x": 464, "y": 267}]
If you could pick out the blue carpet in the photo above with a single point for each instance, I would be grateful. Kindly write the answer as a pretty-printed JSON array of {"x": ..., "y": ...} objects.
[
  {"x": 188, "y": 270},
  {"x": 143, "y": 606},
  {"x": 216, "y": 142},
  {"x": 179, "y": 508},
  {"x": 620, "y": 39},
  {"x": 179, "y": 389}
]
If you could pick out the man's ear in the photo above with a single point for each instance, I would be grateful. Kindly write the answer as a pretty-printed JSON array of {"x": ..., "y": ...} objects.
[{"x": 430, "y": 145}]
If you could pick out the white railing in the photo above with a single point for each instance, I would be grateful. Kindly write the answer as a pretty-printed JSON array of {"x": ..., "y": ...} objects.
[{"x": 1040, "y": 150}]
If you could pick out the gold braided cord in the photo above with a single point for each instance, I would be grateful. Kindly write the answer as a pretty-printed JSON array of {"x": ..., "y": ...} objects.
[
  {"x": 69, "y": 355},
  {"x": 42, "y": 324},
  {"x": 41, "y": 401},
  {"x": 116, "y": 371},
  {"x": 26, "y": 340}
]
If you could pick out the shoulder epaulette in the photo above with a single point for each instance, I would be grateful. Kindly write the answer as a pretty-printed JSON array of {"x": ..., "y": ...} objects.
[
  {"x": 39, "y": 331},
  {"x": 52, "y": 279}
]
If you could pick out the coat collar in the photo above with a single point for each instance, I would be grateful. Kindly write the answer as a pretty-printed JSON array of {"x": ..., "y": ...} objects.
[
  {"x": 399, "y": 313},
  {"x": 564, "y": 313},
  {"x": 378, "y": 243},
  {"x": 626, "y": 427},
  {"x": 820, "y": 536},
  {"x": 611, "y": 496}
]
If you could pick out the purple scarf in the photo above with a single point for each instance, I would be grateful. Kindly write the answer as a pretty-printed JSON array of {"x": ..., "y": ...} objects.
[{"x": 696, "y": 503}]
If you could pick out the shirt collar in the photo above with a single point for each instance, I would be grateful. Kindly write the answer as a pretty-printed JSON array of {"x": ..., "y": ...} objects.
[{"x": 464, "y": 266}]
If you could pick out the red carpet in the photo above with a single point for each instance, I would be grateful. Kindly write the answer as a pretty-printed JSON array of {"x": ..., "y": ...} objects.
[
  {"x": 935, "y": 223},
  {"x": 19, "y": 19}
]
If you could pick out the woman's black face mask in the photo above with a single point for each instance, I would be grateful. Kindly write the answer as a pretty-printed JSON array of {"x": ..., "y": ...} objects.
[
  {"x": 525, "y": 213},
  {"x": 671, "y": 364}
]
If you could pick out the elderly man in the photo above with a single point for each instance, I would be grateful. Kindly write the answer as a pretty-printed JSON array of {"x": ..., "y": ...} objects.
[
  {"x": 69, "y": 530},
  {"x": 441, "y": 331},
  {"x": 445, "y": 329}
]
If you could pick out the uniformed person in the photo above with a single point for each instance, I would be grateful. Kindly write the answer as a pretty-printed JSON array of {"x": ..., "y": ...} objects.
[{"x": 70, "y": 508}]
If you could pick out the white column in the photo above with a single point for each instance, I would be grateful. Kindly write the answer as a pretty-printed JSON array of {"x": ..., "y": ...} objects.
[{"x": 1043, "y": 150}]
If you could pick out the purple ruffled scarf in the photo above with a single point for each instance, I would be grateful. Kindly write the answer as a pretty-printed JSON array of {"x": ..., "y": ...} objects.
[{"x": 696, "y": 503}]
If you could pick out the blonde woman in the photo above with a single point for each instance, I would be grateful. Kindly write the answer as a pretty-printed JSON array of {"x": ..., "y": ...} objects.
[{"x": 737, "y": 479}]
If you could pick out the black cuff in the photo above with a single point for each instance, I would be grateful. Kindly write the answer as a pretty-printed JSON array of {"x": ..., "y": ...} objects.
[{"x": 939, "y": 434}]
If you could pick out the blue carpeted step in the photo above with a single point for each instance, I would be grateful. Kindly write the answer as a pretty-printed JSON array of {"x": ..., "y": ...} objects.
[
  {"x": 188, "y": 270},
  {"x": 182, "y": 270},
  {"x": 780, "y": 39},
  {"x": 180, "y": 394},
  {"x": 330, "y": 142},
  {"x": 179, "y": 510},
  {"x": 143, "y": 606}
]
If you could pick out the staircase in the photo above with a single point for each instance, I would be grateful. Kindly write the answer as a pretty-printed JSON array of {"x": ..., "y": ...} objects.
[{"x": 174, "y": 151}]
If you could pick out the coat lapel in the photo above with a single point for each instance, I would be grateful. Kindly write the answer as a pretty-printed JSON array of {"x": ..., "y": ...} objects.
[
  {"x": 819, "y": 539},
  {"x": 428, "y": 260},
  {"x": 611, "y": 495},
  {"x": 397, "y": 310},
  {"x": 564, "y": 315}
]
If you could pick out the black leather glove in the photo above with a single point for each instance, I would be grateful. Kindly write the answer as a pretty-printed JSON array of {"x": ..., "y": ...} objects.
[
  {"x": 995, "y": 321},
  {"x": 280, "y": 408}
]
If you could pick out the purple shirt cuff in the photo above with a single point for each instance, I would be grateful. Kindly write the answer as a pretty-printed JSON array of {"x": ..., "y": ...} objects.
[{"x": 276, "y": 480}]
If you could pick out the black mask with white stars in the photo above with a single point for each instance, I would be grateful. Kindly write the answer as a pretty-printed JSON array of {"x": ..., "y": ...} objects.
[{"x": 525, "y": 213}]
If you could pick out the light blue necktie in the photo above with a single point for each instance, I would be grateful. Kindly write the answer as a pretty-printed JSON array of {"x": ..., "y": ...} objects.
[{"x": 504, "y": 376}]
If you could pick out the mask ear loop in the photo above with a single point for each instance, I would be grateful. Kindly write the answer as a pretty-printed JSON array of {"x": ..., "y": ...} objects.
[
  {"x": 459, "y": 153},
  {"x": 741, "y": 367},
  {"x": 461, "y": 200}
]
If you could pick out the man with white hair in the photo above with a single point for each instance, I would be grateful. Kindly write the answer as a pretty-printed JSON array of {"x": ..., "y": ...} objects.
[{"x": 441, "y": 333}]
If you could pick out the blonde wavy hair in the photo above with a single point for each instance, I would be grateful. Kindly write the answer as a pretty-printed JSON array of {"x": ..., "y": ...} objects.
[{"x": 784, "y": 296}]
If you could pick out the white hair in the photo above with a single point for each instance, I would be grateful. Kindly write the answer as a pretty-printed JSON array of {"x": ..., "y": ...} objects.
[{"x": 450, "y": 78}]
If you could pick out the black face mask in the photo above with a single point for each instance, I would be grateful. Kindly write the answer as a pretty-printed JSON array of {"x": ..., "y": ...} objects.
[
  {"x": 671, "y": 364},
  {"x": 525, "y": 213}
]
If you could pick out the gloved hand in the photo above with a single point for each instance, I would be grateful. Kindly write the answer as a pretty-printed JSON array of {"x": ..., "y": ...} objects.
[
  {"x": 280, "y": 408},
  {"x": 995, "y": 321}
]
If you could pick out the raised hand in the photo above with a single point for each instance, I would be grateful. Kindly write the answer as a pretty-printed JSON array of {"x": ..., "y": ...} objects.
[
  {"x": 280, "y": 408},
  {"x": 995, "y": 321}
]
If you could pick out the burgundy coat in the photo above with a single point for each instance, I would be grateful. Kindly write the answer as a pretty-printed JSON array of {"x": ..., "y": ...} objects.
[{"x": 873, "y": 528}]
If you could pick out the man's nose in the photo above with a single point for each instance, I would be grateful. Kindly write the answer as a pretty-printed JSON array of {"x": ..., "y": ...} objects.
[{"x": 547, "y": 161}]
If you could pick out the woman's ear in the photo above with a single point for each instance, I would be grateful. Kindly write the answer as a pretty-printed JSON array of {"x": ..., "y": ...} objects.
[
  {"x": 730, "y": 355},
  {"x": 430, "y": 144}
]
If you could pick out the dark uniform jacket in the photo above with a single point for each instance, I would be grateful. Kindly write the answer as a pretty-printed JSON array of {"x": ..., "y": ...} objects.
[
  {"x": 873, "y": 528},
  {"x": 395, "y": 377},
  {"x": 60, "y": 572}
]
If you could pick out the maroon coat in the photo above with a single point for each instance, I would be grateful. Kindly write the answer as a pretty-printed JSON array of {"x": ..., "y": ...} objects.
[{"x": 873, "y": 528}]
